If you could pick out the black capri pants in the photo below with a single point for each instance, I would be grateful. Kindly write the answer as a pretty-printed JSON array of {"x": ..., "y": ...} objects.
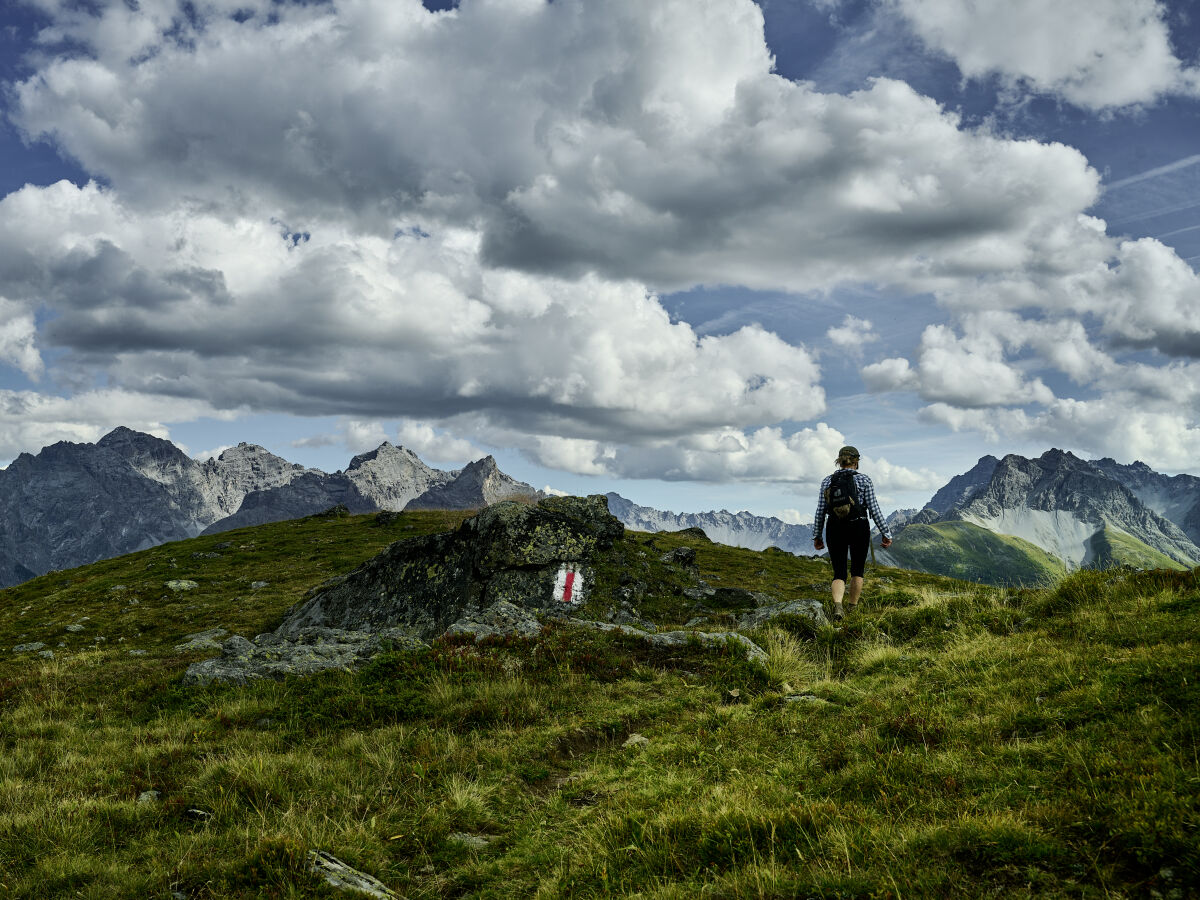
[{"x": 842, "y": 536}]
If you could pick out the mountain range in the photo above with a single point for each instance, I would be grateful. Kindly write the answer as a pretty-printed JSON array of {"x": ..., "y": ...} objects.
[
  {"x": 740, "y": 529},
  {"x": 1020, "y": 520},
  {"x": 75, "y": 503},
  {"x": 1006, "y": 521}
]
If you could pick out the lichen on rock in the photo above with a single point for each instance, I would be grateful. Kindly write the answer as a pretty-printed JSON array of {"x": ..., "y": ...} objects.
[{"x": 493, "y": 575}]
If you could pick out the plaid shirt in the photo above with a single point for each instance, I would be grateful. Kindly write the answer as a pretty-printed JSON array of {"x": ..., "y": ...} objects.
[{"x": 866, "y": 499}]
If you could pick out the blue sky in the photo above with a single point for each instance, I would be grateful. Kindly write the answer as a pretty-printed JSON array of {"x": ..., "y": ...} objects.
[{"x": 681, "y": 250}]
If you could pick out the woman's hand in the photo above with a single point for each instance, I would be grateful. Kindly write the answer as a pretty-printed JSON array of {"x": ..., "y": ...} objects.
[
  {"x": 818, "y": 543},
  {"x": 885, "y": 543}
]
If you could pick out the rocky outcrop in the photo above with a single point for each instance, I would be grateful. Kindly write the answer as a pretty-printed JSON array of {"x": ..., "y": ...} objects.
[
  {"x": 741, "y": 529},
  {"x": 536, "y": 557},
  {"x": 479, "y": 484},
  {"x": 754, "y": 652},
  {"x": 501, "y": 573},
  {"x": 491, "y": 576}
]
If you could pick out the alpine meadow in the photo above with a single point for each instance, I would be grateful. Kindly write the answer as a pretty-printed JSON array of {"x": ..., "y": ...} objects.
[{"x": 952, "y": 739}]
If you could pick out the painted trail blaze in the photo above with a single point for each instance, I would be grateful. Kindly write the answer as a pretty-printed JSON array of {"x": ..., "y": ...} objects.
[{"x": 568, "y": 585}]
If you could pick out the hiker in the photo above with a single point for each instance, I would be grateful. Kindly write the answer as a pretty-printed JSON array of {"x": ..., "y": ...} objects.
[{"x": 846, "y": 497}]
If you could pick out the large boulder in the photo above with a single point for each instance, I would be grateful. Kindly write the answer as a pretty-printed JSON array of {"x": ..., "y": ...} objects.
[{"x": 536, "y": 557}]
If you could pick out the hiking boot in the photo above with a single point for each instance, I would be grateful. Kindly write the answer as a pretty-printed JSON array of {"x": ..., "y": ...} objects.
[{"x": 838, "y": 615}]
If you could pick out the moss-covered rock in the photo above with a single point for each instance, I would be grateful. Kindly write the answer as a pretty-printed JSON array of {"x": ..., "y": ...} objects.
[{"x": 526, "y": 555}]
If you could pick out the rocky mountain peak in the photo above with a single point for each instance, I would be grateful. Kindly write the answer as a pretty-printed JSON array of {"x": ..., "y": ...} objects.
[
  {"x": 385, "y": 451},
  {"x": 479, "y": 483},
  {"x": 960, "y": 488}
]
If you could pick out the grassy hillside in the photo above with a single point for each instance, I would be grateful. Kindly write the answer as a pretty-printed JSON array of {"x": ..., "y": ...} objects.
[
  {"x": 952, "y": 740},
  {"x": 963, "y": 550},
  {"x": 1115, "y": 548}
]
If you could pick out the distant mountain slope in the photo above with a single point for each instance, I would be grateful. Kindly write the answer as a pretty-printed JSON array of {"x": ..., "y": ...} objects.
[
  {"x": 1078, "y": 513},
  {"x": 1174, "y": 497},
  {"x": 735, "y": 529},
  {"x": 967, "y": 551},
  {"x": 1059, "y": 501},
  {"x": 75, "y": 503}
]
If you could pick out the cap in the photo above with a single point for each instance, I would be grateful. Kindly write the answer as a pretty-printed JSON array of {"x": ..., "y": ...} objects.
[{"x": 848, "y": 451}]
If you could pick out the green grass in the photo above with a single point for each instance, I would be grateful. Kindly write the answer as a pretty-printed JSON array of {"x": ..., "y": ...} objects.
[
  {"x": 963, "y": 550},
  {"x": 954, "y": 740},
  {"x": 1115, "y": 548}
]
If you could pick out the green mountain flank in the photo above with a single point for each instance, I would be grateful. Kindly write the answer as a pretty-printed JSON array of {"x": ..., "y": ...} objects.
[
  {"x": 1109, "y": 547},
  {"x": 967, "y": 551},
  {"x": 951, "y": 739}
]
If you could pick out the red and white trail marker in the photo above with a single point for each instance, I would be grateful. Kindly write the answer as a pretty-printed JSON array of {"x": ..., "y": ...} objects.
[{"x": 568, "y": 585}]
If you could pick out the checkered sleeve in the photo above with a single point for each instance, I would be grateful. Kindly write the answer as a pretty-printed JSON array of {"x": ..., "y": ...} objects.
[
  {"x": 819, "y": 516},
  {"x": 866, "y": 496}
]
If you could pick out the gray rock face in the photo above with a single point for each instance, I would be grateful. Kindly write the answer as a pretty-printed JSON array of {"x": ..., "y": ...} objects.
[
  {"x": 509, "y": 551},
  {"x": 959, "y": 489},
  {"x": 479, "y": 484},
  {"x": 501, "y": 619},
  {"x": 735, "y": 529},
  {"x": 77, "y": 503},
  {"x": 387, "y": 478},
  {"x": 391, "y": 477},
  {"x": 305, "y": 495},
  {"x": 813, "y": 610},
  {"x": 681, "y": 638}
]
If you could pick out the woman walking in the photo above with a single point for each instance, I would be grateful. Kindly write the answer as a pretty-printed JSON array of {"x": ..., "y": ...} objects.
[{"x": 845, "y": 499}]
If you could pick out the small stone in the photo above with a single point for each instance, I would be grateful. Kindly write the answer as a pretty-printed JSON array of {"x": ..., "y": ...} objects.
[
  {"x": 635, "y": 741},
  {"x": 680, "y": 556},
  {"x": 182, "y": 584},
  {"x": 28, "y": 648},
  {"x": 223, "y": 545},
  {"x": 209, "y": 639},
  {"x": 343, "y": 877},
  {"x": 150, "y": 796},
  {"x": 474, "y": 841},
  {"x": 46, "y": 654},
  {"x": 198, "y": 815},
  {"x": 733, "y": 696},
  {"x": 137, "y": 652},
  {"x": 258, "y": 585},
  {"x": 74, "y": 629},
  {"x": 808, "y": 699}
]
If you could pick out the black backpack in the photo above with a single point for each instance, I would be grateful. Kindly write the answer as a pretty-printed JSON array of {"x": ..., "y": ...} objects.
[{"x": 841, "y": 497}]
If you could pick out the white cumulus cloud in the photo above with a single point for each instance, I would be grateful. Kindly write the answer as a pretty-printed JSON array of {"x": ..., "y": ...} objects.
[{"x": 1095, "y": 53}]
